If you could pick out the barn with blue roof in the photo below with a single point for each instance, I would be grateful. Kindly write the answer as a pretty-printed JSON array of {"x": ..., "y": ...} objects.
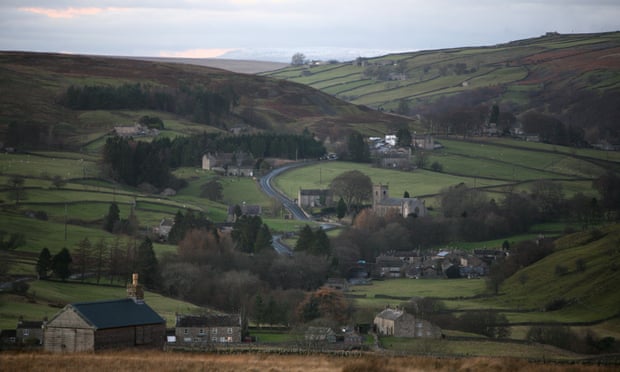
[{"x": 90, "y": 326}]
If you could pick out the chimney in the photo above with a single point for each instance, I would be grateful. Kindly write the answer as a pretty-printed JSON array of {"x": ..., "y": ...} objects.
[{"x": 134, "y": 290}]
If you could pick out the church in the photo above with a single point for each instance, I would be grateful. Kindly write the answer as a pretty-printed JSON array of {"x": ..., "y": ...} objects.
[{"x": 382, "y": 203}]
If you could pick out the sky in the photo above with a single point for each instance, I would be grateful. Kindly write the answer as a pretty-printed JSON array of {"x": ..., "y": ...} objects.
[{"x": 276, "y": 29}]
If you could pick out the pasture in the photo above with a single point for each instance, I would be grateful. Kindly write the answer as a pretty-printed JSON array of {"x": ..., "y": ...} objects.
[{"x": 46, "y": 298}]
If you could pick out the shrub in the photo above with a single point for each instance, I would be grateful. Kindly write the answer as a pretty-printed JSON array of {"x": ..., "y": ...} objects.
[
  {"x": 556, "y": 304},
  {"x": 20, "y": 287}
]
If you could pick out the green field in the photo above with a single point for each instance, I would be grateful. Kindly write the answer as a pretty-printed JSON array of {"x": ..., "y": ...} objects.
[
  {"x": 425, "y": 75},
  {"x": 47, "y": 298}
]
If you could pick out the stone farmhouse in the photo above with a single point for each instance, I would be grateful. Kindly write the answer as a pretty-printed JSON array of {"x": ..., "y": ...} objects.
[
  {"x": 29, "y": 331},
  {"x": 250, "y": 210},
  {"x": 229, "y": 164},
  {"x": 207, "y": 330},
  {"x": 398, "y": 323},
  {"x": 314, "y": 198},
  {"x": 382, "y": 203},
  {"x": 91, "y": 326}
]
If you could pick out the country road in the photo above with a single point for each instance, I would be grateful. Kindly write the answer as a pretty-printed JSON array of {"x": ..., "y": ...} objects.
[{"x": 267, "y": 187}]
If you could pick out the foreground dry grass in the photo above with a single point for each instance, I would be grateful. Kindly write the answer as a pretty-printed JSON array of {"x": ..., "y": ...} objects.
[{"x": 161, "y": 361}]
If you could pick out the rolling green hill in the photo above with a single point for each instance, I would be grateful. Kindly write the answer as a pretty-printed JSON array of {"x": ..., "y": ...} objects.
[
  {"x": 575, "y": 77},
  {"x": 40, "y": 111}
]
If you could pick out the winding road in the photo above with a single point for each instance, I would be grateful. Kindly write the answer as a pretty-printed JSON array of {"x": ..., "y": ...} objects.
[{"x": 268, "y": 188}]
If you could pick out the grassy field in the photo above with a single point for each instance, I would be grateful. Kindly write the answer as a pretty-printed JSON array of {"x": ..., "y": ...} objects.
[{"x": 47, "y": 298}]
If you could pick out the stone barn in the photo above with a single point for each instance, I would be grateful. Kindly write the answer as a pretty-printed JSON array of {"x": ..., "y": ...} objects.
[
  {"x": 398, "y": 323},
  {"x": 90, "y": 326}
]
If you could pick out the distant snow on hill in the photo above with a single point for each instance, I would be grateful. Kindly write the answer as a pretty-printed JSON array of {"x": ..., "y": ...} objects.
[{"x": 315, "y": 53}]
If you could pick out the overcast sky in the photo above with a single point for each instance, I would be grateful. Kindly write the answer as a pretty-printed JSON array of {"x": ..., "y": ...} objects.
[{"x": 211, "y": 28}]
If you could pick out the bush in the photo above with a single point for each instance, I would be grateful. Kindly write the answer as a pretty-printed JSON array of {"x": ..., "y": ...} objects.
[
  {"x": 556, "y": 304},
  {"x": 20, "y": 287},
  {"x": 561, "y": 270},
  {"x": 41, "y": 215}
]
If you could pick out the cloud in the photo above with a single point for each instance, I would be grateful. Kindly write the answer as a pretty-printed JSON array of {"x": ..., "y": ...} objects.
[
  {"x": 68, "y": 12},
  {"x": 196, "y": 53}
]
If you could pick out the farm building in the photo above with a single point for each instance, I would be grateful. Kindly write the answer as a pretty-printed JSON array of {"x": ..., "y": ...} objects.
[
  {"x": 204, "y": 330},
  {"x": 397, "y": 322},
  {"x": 90, "y": 326},
  {"x": 314, "y": 197},
  {"x": 29, "y": 331}
]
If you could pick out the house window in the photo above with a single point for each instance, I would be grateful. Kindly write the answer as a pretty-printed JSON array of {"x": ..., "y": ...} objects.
[
  {"x": 214, "y": 338},
  {"x": 26, "y": 332},
  {"x": 185, "y": 331},
  {"x": 214, "y": 331},
  {"x": 201, "y": 331},
  {"x": 230, "y": 331}
]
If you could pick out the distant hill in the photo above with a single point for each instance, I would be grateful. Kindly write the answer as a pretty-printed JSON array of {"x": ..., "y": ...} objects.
[
  {"x": 39, "y": 112},
  {"x": 573, "y": 78},
  {"x": 234, "y": 65}
]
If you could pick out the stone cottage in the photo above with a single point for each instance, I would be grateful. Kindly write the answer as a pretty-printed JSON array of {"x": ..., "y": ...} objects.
[{"x": 398, "y": 323}]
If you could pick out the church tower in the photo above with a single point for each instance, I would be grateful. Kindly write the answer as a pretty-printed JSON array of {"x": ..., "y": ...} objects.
[{"x": 379, "y": 194}]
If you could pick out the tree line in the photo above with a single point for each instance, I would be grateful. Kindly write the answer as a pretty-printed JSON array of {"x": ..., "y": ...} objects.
[
  {"x": 137, "y": 162},
  {"x": 104, "y": 260},
  {"x": 192, "y": 101}
]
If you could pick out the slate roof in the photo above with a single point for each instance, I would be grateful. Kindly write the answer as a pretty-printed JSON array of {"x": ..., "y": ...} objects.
[
  {"x": 117, "y": 313},
  {"x": 391, "y": 314}
]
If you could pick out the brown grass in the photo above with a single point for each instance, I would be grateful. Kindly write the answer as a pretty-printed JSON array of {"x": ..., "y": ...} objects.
[{"x": 170, "y": 361}]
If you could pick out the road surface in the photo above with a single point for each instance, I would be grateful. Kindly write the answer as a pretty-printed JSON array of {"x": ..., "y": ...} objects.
[{"x": 297, "y": 213}]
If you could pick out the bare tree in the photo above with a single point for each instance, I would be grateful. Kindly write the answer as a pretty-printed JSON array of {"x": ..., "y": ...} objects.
[{"x": 354, "y": 187}]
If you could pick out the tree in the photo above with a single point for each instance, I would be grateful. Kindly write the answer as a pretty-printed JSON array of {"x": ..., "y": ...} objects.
[
  {"x": 58, "y": 181},
  {"x": 259, "y": 310},
  {"x": 212, "y": 190},
  {"x": 83, "y": 257},
  {"x": 403, "y": 137},
  {"x": 406, "y": 194},
  {"x": 549, "y": 197},
  {"x": 16, "y": 184},
  {"x": 485, "y": 322},
  {"x": 305, "y": 239},
  {"x": 61, "y": 264},
  {"x": 147, "y": 265},
  {"x": 298, "y": 59},
  {"x": 325, "y": 303},
  {"x": 358, "y": 149},
  {"x": 341, "y": 209},
  {"x": 354, "y": 187},
  {"x": 320, "y": 245},
  {"x": 112, "y": 218},
  {"x": 44, "y": 263},
  {"x": 264, "y": 239}
]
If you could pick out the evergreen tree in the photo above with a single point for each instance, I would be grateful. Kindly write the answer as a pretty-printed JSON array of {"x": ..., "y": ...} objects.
[
  {"x": 147, "y": 265},
  {"x": 358, "y": 149},
  {"x": 111, "y": 218},
  {"x": 403, "y": 138},
  {"x": 264, "y": 240},
  {"x": 341, "y": 209},
  {"x": 320, "y": 245},
  {"x": 305, "y": 239},
  {"x": 61, "y": 263},
  {"x": 406, "y": 195},
  {"x": 44, "y": 263}
]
